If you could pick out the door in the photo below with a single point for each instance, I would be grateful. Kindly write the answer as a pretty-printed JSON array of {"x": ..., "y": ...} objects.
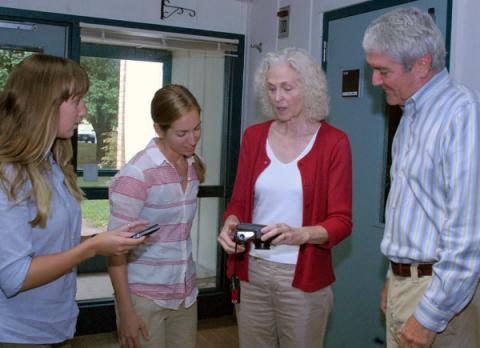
[
  {"x": 360, "y": 266},
  {"x": 19, "y": 39},
  {"x": 33, "y": 37}
]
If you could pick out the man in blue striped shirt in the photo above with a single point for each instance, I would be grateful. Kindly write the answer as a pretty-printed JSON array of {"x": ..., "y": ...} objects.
[{"x": 432, "y": 228}]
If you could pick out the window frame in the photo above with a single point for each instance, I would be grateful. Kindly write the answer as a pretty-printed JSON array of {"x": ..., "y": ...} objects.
[{"x": 118, "y": 52}]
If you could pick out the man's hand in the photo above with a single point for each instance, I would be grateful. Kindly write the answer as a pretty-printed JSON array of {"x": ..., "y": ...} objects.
[{"x": 415, "y": 335}]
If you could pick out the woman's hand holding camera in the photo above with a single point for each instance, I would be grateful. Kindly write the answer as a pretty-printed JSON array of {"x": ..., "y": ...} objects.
[
  {"x": 276, "y": 234},
  {"x": 284, "y": 234},
  {"x": 225, "y": 238}
]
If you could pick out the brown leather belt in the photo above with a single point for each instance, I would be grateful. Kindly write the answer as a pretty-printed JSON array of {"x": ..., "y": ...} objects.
[{"x": 403, "y": 269}]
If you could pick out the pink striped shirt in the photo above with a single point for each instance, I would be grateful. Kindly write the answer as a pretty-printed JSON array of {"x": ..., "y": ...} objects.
[{"x": 149, "y": 187}]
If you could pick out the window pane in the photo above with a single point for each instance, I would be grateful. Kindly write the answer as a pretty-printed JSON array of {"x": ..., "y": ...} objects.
[
  {"x": 204, "y": 74},
  {"x": 95, "y": 214},
  {"x": 8, "y": 59},
  {"x": 204, "y": 241},
  {"x": 118, "y": 123},
  {"x": 93, "y": 279}
]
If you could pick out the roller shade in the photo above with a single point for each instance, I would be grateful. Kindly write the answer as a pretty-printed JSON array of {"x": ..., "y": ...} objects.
[{"x": 139, "y": 38}]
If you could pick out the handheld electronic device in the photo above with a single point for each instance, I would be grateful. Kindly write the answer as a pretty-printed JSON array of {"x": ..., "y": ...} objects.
[
  {"x": 250, "y": 232},
  {"x": 146, "y": 232}
]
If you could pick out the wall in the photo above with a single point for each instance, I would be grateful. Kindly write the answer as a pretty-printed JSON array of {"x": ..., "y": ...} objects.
[
  {"x": 216, "y": 15},
  {"x": 260, "y": 38},
  {"x": 465, "y": 46},
  {"x": 306, "y": 31}
]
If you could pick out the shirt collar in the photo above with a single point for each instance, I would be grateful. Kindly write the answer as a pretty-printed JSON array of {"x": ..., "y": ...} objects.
[
  {"x": 158, "y": 157},
  {"x": 425, "y": 93}
]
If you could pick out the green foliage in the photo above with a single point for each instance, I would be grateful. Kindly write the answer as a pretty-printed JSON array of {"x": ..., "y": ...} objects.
[
  {"x": 109, "y": 160},
  {"x": 86, "y": 153},
  {"x": 96, "y": 212},
  {"x": 8, "y": 59},
  {"x": 102, "y": 98}
]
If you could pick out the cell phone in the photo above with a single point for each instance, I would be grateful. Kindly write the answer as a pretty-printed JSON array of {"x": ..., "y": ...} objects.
[{"x": 146, "y": 232}]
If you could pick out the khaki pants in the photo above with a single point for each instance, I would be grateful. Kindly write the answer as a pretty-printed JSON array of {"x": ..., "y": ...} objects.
[
  {"x": 404, "y": 293},
  {"x": 168, "y": 328},
  {"x": 272, "y": 313}
]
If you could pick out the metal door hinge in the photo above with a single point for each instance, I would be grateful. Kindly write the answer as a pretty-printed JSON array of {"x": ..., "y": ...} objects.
[{"x": 324, "y": 52}]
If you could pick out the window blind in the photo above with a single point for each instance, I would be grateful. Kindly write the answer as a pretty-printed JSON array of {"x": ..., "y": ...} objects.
[{"x": 140, "y": 38}]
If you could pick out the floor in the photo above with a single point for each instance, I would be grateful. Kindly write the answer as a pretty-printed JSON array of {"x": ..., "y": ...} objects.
[{"x": 212, "y": 333}]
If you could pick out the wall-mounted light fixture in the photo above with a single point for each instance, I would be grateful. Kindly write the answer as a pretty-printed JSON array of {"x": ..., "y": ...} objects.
[{"x": 168, "y": 10}]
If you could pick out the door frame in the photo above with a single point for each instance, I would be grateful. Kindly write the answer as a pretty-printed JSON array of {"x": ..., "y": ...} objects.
[
  {"x": 370, "y": 6},
  {"x": 394, "y": 111},
  {"x": 349, "y": 257}
]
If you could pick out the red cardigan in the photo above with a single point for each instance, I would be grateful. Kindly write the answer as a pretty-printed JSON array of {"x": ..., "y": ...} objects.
[{"x": 326, "y": 173}]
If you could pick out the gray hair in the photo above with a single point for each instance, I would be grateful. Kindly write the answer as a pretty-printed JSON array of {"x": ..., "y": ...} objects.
[
  {"x": 311, "y": 77},
  {"x": 406, "y": 34}
]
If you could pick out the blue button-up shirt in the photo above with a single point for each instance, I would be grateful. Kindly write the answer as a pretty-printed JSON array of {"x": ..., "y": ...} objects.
[
  {"x": 46, "y": 314},
  {"x": 433, "y": 208}
]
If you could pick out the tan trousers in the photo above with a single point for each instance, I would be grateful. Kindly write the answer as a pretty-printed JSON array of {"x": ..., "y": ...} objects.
[
  {"x": 404, "y": 293},
  {"x": 273, "y": 314},
  {"x": 168, "y": 328}
]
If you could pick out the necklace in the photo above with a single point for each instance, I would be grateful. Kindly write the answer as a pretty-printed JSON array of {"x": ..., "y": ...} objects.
[{"x": 183, "y": 178}]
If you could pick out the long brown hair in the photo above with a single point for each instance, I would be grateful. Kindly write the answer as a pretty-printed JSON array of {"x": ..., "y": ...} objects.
[
  {"x": 29, "y": 112},
  {"x": 168, "y": 105}
]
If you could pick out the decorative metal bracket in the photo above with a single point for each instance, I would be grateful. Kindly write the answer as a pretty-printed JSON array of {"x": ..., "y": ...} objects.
[
  {"x": 257, "y": 46},
  {"x": 165, "y": 13}
]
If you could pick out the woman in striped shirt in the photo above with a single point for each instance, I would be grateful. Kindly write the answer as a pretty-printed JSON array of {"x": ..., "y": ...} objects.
[{"x": 155, "y": 286}]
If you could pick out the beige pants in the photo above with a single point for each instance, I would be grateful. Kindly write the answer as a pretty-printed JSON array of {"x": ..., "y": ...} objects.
[
  {"x": 404, "y": 293},
  {"x": 273, "y": 314},
  {"x": 168, "y": 328}
]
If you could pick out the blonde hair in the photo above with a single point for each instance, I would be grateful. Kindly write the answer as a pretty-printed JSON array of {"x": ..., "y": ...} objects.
[
  {"x": 29, "y": 112},
  {"x": 169, "y": 104},
  {"x": 311, "y": 76}
]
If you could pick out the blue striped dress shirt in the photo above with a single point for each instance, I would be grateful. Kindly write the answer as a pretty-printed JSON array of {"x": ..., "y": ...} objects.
[{"x": 433, "y": 207}]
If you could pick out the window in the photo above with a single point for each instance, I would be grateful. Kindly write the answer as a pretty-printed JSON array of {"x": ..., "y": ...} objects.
[
  {"x": 208, "y": 63},
  {"x": 126, "y": 66}
]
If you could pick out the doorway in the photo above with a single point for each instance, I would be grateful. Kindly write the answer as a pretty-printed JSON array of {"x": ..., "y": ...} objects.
[
  {"x": 362, "y": 114},
  {"x": 19, "y": 39}
]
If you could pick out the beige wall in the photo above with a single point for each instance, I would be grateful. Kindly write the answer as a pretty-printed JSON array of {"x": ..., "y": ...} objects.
[{"x": 218, "y": 15}]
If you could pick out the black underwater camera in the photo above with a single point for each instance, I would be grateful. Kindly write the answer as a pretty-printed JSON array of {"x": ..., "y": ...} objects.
[{"x": 250, "y": 232}]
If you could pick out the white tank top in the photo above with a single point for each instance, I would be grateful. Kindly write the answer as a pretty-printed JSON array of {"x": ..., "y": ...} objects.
[{"x": 279, "y": 199}]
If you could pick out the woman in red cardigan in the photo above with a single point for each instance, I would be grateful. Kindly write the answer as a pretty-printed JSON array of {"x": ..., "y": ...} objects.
[{"x": 294, "y": 176}]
